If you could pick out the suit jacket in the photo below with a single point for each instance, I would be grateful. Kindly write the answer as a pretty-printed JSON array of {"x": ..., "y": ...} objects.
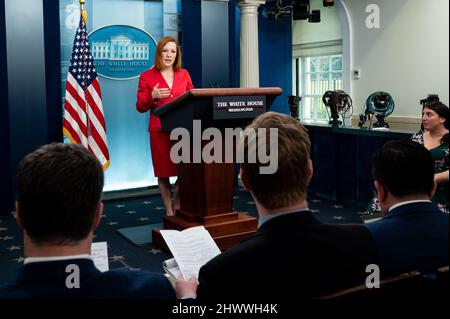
[
  {"x": 411, "y": 237},
  {"x": 44, "y": 280},
  {"x": 289, "y": 256},
  {"x": 148, "y": 80}
]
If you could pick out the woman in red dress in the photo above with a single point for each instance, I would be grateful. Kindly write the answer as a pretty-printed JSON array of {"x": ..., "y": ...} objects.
[{"x": 157, "y": 86}]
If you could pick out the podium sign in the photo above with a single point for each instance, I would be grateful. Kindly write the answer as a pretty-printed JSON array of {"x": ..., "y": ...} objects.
[{"x": 238, "y": 107}]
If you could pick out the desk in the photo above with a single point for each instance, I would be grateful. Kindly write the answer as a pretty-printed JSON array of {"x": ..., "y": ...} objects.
[{"x": 342, "y": 159}]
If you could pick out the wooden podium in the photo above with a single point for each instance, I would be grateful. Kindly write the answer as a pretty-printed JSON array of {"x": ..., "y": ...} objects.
[{"x": 206, "y": 189}]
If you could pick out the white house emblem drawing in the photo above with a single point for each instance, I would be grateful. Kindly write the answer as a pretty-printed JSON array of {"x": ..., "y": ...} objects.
[
  {"x": 120, "y": 48},
  {"x": 122, "y": 52}
]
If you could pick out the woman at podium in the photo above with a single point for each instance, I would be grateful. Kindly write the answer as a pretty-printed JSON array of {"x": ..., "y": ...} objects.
[{"x": 157, "y": 86}]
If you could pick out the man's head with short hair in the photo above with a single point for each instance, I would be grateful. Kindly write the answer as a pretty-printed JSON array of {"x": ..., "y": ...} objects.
[
  {"x": 288, "y": 185},
  {"x": 403, "y": 169},
  {"x": 58, "y": 194}
]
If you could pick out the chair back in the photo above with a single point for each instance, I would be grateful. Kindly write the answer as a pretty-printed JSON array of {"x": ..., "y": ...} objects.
[
  {"x": 406, "y": 284},
  {"x": 442, "y": 281}
]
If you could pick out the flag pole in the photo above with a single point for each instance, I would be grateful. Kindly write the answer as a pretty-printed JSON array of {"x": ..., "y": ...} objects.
[{"x": 84, "y": 17}]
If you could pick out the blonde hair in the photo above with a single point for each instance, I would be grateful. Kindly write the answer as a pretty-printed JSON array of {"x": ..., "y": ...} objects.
[
  {"x": 158, "y": 53},
  {"x": 288, "y": 185}
]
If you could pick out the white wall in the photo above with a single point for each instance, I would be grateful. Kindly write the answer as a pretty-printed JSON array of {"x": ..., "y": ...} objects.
[{"x": 407, "y": 57}]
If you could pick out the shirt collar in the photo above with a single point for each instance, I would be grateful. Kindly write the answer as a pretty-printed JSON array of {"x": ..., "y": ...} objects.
[
  {"x": 265, "y": 219},
  {"x": 408, "y": 202},
  {"x": 30, "y": 260}
]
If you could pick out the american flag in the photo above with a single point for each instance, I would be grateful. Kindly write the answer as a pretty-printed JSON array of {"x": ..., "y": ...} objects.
[{"x": 84, "y": 122}]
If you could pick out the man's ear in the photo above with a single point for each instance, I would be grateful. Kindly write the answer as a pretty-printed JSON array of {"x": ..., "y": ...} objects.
[
  {"x": 244, "y": 179},
  {"x": 381, "y": 191},
  {"x": 310, "y": 170},
  {"x": 19, "y": 216},
  {"x": 98, "y": 216}
]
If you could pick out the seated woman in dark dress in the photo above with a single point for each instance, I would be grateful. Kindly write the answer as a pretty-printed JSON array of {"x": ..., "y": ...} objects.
[{"x": 434, "y": 137}]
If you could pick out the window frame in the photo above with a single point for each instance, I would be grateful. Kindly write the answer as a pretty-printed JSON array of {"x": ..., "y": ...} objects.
[{"x": 303, "y": 75}]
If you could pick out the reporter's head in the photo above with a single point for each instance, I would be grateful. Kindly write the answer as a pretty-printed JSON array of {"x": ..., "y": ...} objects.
[
  {"x": 403, "y": 169},
  {"x": 288, "y": 184},
  {"x": 58, "y": 194}
]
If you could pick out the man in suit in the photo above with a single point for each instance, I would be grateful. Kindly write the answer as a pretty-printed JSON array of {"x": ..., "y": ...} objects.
[
  {"x": 292, "y": 254},
  {"x": 58, "y": 208},
  {"x": 413, "y": 234}
]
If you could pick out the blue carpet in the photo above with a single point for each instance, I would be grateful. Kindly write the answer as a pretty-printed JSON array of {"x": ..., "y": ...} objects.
[{"x": 140, "y": 212}]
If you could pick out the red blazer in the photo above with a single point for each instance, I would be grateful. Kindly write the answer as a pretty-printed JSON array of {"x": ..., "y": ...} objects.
[{"x": 181, "y": 83}]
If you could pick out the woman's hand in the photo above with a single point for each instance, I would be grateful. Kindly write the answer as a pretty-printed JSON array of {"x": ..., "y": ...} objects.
[{"x": 158, "y": 93}]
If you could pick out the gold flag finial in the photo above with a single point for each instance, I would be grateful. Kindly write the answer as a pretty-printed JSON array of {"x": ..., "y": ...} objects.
[{"x": 83, "y": 11}]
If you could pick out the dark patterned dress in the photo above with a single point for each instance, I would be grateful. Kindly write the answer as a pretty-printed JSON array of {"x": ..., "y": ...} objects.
[{"x": 440, "y": 158}]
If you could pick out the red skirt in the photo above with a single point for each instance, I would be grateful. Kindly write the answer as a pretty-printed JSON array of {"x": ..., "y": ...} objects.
[{"x": 160, "y": 145}]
